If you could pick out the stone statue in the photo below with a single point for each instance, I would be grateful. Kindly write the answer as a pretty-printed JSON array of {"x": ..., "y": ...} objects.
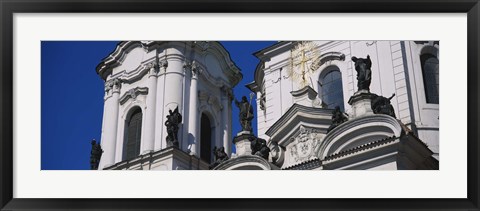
[
  {"x": 95, "y": 155},
  {"x": 173, "y": 119},
  {"x": 364, "y": 73},
  {"x": 338, "y": 117},
  {"x": 220, "y": 156},
  {"x": 259, "y": 147},
  {"x": 246, "y": 114},
  {"x": 382, "y": 105}
]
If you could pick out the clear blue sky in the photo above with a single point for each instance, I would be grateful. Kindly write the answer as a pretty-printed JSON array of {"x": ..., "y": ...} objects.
[{"x": 72, "y": 97}]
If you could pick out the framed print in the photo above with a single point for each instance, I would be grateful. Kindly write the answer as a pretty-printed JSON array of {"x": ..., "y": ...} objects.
[{"x": 183, "y": 89}]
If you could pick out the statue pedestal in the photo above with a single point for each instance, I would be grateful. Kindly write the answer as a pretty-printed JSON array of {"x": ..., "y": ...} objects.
[
  {"x": 361, "y": 103},
  {"x": 242, "y": 143}
]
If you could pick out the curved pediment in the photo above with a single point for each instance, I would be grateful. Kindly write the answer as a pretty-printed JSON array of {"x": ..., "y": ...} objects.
[
  {"x": 117, "y": 57},
  {"x": 245, "y": 162},
  {"x": 297, "y": 116},
  {"x": 358, "y": 132}
]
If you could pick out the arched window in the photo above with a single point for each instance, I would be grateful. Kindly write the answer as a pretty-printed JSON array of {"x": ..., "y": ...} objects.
[
  {"x": 205, "y": 139},
  {"x": 330, "y": 88},
  {"x": 133, "y": 134},
  {"x": 430, "y": 77}
]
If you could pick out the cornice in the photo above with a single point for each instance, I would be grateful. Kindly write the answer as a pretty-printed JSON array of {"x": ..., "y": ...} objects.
[
  {"x": 367, "y": 146},
  {"x": 115, "y": 58}
]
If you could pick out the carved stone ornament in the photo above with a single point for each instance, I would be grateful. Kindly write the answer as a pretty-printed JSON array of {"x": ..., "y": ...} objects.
[
  {"x": 277, "y": 153},
  {"x": 304, "y": 145}
]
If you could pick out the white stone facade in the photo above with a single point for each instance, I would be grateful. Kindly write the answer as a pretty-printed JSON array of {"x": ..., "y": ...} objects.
[
  {"x": 156, "y": 76},
  {"x": 396, "y": 69}
]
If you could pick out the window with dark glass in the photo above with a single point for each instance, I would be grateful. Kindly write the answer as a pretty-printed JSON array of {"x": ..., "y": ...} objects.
[
  {"x": 430, "y": 77},
  {"x": 331, "y": 89},
  {"x": 133, "y": 135},
  {"x": 205, "y": 139}
]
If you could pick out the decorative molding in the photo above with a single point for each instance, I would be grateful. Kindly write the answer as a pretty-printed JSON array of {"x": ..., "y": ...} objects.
[
  {"x": 133, "y": 93},
  {"x": 137, "y": 73},
  {"x": 329, "y": 56},
  {"x": 314, "y": 163},
  {"x": 215, "y": 81}
]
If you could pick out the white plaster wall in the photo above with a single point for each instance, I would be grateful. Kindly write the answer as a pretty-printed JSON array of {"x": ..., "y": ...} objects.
[{"x": 426, "y": 115}]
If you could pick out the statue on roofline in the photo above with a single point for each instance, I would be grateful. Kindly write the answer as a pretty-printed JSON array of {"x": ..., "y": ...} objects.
[
  {"x": 95, "y": 155},
  {"x": 246, "y": 114},
  {"x": 220, "y": 156},
  {"x": 364, "y": 72}
]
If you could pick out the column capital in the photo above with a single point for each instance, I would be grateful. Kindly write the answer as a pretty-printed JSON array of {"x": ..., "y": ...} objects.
[
  {"x": 153, "y": 68},
  {"x": 113, "y": 85},
  {"x": 191, "y": 66},
  {"x": 163, "y": 66}
]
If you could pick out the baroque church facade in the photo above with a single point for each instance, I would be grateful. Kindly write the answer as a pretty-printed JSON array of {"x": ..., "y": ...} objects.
[{"x": 321, "y": 105}]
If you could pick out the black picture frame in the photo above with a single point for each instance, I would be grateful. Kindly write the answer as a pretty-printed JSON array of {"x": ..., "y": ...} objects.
[{"x": 10, "y": 7}]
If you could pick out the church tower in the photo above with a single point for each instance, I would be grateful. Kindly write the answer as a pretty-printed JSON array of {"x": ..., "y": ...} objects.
[
  {"x": 322, "y": 108},
  {"x": 145, "y": 81}
]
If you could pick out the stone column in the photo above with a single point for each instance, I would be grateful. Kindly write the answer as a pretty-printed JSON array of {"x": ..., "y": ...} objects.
[
  {"x": 193, "y": 135},
  {"x": 149, "y": 129},
  {"x": 159, "y": 120},
  {"x": 109, "y": 132},
  {"x": 173, "y": 96},
  {"x": 226, "y": 139},
  {"x": 187, "y": 66}
]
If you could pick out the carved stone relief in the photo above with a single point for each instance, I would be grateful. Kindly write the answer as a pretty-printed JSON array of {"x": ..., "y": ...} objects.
[{"x": 303, "y": 146}]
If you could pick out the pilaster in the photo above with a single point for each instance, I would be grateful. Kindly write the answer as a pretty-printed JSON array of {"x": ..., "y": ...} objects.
[
  {"x": 112, "y": 92},
  {"x": 193, "y": 133},
  {"x": 149, "y": 129}
]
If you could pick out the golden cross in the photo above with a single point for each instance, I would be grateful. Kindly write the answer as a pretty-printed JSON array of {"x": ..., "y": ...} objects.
[{"x": 303, "y": 61}]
